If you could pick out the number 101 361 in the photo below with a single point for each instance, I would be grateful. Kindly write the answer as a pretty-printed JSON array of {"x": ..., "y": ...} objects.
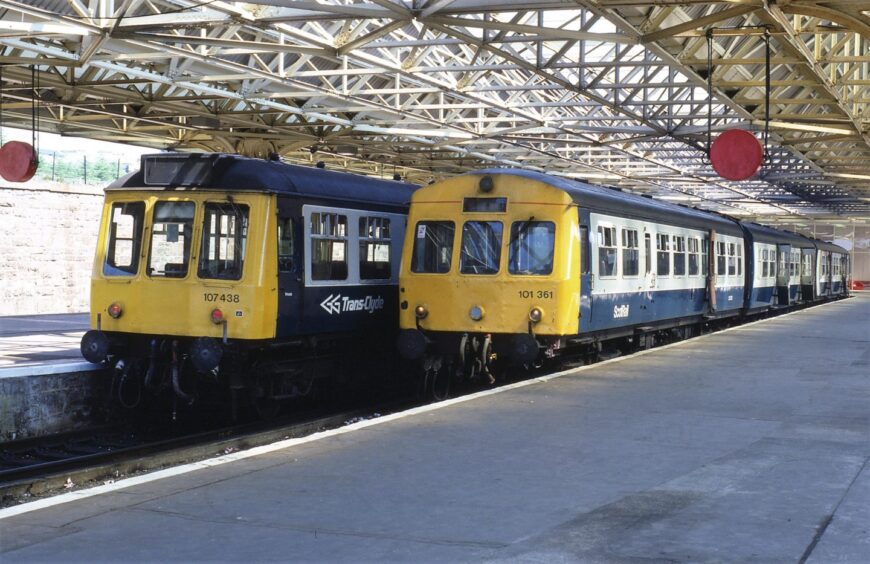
[{"x": 539, "y": 294}]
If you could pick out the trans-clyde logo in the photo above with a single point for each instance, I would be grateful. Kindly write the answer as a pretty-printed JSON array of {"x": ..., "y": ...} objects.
[{"x": 338, "y": 304}]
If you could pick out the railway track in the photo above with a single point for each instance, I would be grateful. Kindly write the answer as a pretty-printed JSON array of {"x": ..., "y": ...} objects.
[{"x": 36, "y": 467}]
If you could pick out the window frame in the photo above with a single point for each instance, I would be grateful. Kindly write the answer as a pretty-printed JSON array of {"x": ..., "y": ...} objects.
[
  {"x": 137, "y": 240},
  {"x": 381, "y": 240},
  {"x": 192, "y": 252},
  {"x": 510, "y": 247},
  {"x": 499, "y": 248},
  {"x": 693, "y": 252},
  {"x": 679, "y": 249},
  {"x": 663, "y": 246},
  {"x": 243, "y": 238},
  {"x": 450, "y": 263},
  {"x": 626, "y": 247},
  {"x": 601, "y": 239},
  {"x": 397, "y": 234}
]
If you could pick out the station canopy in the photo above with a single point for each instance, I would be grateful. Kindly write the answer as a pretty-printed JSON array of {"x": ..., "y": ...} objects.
[{"x": 614, "y": 92}]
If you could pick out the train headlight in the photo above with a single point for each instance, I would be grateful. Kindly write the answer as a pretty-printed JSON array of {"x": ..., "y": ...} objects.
[
  {"x": 536, "y": 315},
  {"x": 475, "y": 313},
  {"x": 217, "y": 316},
  {"x": 486, "y": 184},
  {"x": 421, "y": 312},
  {"x": 115, "y": 310}
]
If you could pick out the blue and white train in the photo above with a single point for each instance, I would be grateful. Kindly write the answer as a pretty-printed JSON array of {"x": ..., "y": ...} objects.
[{"x": 508, "y": 264}]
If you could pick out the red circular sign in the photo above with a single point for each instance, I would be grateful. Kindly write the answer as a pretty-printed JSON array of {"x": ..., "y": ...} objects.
[
  {"x": 18, "y": 161},
  {"x": 736, "y": 154}
]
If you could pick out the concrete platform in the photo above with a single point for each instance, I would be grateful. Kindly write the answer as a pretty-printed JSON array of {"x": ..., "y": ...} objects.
[
  {"x": 29, "y": 340},
  {"x": 747, "y": 445}
]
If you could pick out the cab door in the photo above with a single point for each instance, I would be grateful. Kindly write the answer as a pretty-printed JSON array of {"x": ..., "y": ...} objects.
[{"x": 291, "y": 267}]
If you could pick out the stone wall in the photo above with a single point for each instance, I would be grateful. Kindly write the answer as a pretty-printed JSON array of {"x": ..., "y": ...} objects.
[{"x": 48, "y": 233}]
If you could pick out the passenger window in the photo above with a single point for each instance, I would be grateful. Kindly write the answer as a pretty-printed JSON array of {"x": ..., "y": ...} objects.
[
  {"x": 629, "y": 252},
  {"x": 739, "y": 259},
  {"x": 480, "y": 252},
  {"x": 679, "y": 256},
  {"x": 530, "y": 250},
  {"x": 171, "y": 231},
  {"x": 705, "y": 265},
  {"x": 328, "y": 246},
  {"x": 693, "y": 256},
  {"x": 125, "y": 239},
  {"x": 663, "y": 254},
  {"x": 763, "y": 254},
  {"x": 606, "y": 251},
  {"x": 647, "y": 249},
  {"x": 720, "y": 258},
  {"x": 286, "y": 244},
  {"x": 224, "y": 234},
  {"x": 374, "y": 248},
  {"x": 433, "y": 247},
  {"x": 732, "y": 259}
]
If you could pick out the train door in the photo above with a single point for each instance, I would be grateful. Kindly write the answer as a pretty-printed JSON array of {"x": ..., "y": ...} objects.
[
  {"x": 783, "y": 253},
  {"x": 807, "y": 275},
  {"x": 585, "y": 272},
  {"x": 649, "y": 274},
  {"x": 291, "y": 267},
  {"x": 711, "y": 273}
]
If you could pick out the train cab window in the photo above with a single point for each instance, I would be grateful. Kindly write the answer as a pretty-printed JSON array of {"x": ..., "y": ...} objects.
[
  {"x": 286, "y": 244},
  {"x": 606, "y": 251},
  {"x": 693, "y": 256},
  {"x": 171, "y": 232},
  {"x": 705, "y": 265},
  {"x": 125, "y": 239},
  {"x": 480, "y": 252},
  {"x": 629, "y": 252},
  {"x": 328, "y": 246},
  {"x": 530, "y": 250},
  {"x": 224, "y": 238},
  {"x": 720, "y": 258},
  {"x": 679, "y": 256},
  {"x": 374, "y": 248},
  {"x": 433, "y": 247},
  {"x": 663, "y": 254}
]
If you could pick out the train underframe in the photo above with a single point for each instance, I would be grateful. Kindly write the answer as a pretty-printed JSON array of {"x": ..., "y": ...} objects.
[
  {"x": 445, "y": 358},
  {"x": 244, "y": 376}
]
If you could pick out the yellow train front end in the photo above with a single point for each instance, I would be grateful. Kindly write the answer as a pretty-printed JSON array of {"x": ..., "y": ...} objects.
[
  {"x": 181, "y": 276},
  {"x": 490, "y": 270},
  {"x": 183, "y": 265}
]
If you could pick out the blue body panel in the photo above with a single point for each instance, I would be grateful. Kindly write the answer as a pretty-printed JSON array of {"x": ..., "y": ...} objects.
[
  {"x": 607, "y": 311},
  {"x": 762, "y": 297}
]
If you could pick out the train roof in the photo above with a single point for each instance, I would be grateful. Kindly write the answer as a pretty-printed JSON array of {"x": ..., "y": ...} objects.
[
  {"x": 830, "y": 247},
  {"x": 765, "y": 234},
  {"x": 219, "y": 171},
  {"x": 600, "y": 199}
]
